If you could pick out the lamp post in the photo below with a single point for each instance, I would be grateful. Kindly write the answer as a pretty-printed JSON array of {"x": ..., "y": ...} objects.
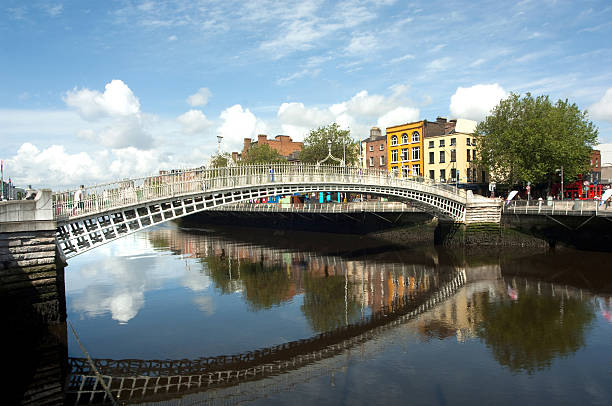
[{"x": 561, "y": 170}]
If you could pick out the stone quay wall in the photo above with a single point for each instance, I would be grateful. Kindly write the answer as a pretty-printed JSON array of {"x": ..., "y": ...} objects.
[{"x": 31, "y": 270}]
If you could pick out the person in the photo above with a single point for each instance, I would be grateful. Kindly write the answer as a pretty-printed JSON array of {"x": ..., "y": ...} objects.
[
  {"x": 78, "y": 199},
  {"x": 271, "y": 172},
  {"x": 608, "y": 202},
  {"x": 540, "y": 200}
]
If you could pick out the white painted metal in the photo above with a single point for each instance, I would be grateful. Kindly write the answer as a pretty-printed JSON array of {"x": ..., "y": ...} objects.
[{"x": 113, "y": 210}]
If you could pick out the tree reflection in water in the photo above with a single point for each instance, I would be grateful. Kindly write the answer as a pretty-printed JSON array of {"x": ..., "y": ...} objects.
[{"x": 528, "y": 333}]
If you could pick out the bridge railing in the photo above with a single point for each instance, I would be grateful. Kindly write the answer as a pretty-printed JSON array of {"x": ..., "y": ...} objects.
[
  {"x": 128, "y": 192},
  {"x": 331, "y": 207},
  {"x": 558, "y": 207}
]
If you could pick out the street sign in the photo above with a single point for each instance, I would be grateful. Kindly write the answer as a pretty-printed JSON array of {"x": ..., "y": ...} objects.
[{"x": 492, "y": 186}]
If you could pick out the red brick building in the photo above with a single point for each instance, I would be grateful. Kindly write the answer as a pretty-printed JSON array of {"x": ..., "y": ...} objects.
[
  {"x": 375, "y": 150},
  {"x": 281, "y": 143}
]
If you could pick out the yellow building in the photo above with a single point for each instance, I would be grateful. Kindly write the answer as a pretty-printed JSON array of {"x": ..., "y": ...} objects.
[
  {"x": 449, "y": 156},
  {"x": 405, "y": 149}
]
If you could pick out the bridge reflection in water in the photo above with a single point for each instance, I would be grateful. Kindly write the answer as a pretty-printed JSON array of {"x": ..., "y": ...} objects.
[{"x": 374, "y": 297}]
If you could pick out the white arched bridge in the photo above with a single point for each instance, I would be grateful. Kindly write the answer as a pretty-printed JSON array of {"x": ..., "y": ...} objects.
[{"x": 110, "y": 211}]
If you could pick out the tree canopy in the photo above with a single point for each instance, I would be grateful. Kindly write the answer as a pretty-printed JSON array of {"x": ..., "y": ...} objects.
[
  {"x": 527, "y": 139},
  {"x": 261, "y": 154},
  {"x": 220, "y": 160},
  {"x": 315, "y": 145}
]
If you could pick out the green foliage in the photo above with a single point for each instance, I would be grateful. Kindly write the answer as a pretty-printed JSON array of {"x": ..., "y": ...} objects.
[
  {"x": 220, "y": 160},
  {"x": 527, "y": 139},
  {"x": 315, "y": 145},
  {"x": 261, "y": 154},
  {"x": 529, "y": 333}
]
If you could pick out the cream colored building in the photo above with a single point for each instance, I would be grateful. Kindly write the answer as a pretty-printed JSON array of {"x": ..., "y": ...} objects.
[{"x": 449, "y": 157}]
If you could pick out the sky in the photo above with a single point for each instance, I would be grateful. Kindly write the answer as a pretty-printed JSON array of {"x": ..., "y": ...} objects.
[{"x": 95, "y": 91}]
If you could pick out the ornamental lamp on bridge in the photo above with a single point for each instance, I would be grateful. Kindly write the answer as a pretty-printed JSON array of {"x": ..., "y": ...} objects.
[{"x": 330, "y": 156}]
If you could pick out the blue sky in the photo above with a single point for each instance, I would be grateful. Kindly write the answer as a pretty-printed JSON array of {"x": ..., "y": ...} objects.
[{"x": 93, "y": 91}]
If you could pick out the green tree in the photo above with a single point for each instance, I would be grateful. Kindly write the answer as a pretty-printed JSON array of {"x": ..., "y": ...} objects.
[
  {"x": 261, "y": 154},
  {"x": 315, "y": 145},
  {"x": 527, "y": 139},
  {"x": 220, "y": 160}
]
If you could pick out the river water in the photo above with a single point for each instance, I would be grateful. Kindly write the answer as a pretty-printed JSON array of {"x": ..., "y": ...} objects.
[{"x": 340, "y": 319}]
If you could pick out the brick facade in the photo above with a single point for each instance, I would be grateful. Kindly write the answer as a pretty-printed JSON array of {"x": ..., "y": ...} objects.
[{"x": 281, "y": 143}]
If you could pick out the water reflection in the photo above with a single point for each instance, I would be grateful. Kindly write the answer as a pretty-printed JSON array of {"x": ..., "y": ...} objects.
[{"x": 266, "y": 304}]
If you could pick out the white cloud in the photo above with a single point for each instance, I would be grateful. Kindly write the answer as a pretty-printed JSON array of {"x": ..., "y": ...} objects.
[
  {"x": 117, "y": 100},
  {"x": 172, "y": 38},
  {"x": 439, "y": 64},
  {"x": 362, "y": 44},
  {"x": 399, "y": 115},
  {"x": 193, "y": 122},
  {"x": 238, "y": 123},
  {"x": 200, "y": 98},
  {"x": 602, "y": 109},
  {"x": 476, "y": 102}
]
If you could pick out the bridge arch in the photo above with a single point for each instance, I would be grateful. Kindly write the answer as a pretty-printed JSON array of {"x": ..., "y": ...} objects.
[{"x": 114, "y": 210}]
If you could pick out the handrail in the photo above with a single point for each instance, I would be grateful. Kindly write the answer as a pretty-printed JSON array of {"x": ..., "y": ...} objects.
[
  {"x": 129, "y": 192},
  {"x": 558, "y": 207}
]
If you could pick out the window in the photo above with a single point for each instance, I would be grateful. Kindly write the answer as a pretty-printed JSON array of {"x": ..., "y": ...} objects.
[
  {"x": 469, "y": 156},
  {"x": 474, "y": 175},
  {"x": 415, "y": 136},
  {"x": 405, "y": 171},
  {"x": 404, "y": 138},
  {"x": 416, "y": 153},
  {"x": 442, "y": 160},
  {"x": 483, "y": 177},
  {"x": 404, "y": 154},
  {"x": 467, "y": 142},
  {"x": 381, "y": 147},
  {"x": 394, "y": 140},
  {"x": 473, "y": 154},
  {"x": 468, "y": 176},
  {"x": 453, "y": 142},
  {"x": 432, "y": 174},
  {"x": 382, "y": 160},
  {"x": 431, "y": 158},
  {"x": 441, "y": 143},
  {"x": 453, "y": 174},
  {"x": 371, "y": 161},
  {"x": 473, "y": 142},
  {"x": 431, "y": 144},
  {"x": 442, "y": 175},
  {"x": 394, "y": 155},
  {"x": 371, "y": 148},
  {"x": 453, "y": 155},
  {"x": 416, "y": 170}
]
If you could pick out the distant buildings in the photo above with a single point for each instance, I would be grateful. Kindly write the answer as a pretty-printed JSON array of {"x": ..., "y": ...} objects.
[
  {"x": 10, "y": 192},
  {"x": 283, "y": 144},
  {"x": 374, "y": 150}
]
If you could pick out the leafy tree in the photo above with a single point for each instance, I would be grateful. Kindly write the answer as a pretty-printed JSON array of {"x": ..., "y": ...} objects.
[
  {"x": 220, "y": 160},
  {"x": 527, "y": 139},
  {"x": 261, "y": 154},
  {"x": 315, "y": 145}
]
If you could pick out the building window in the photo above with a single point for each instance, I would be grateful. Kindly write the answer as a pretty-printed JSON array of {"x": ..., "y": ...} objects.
[
  {"x": 442, "y": 143},
  {"x": 404, "y": 154},
  {"x": 431, "y": 158},
  {"x": 416, "y": 153},
  {"x": 394, "y": 155},
  {"x": 453, "y": 155},
  {"x": 473, "y": 142},
  {"x": 467, "y": 174},
  {"x": 474, "y": 175},
  {"x": 371, "y": 161},
  {"x": 405, "y": 171},
  {"x": 432, "y": 174},
  {"x": 394, "y": 140},
  {"x": 381, "y": 147},
  {"x": 415, "y": 136},
  {"x": 371, "y": 148},
  {"x": 442, "y": 175},
  {"x": 469, "y": 156},
  {"x": 382, "y": 160},
  {"x": 453, "y": 142},
  {"x": 453, "y": 175},
  {"x": 416, "y": 170},
  {"x": 404, "y": 138},
  {"x": 431, "y": 144},
  {"x": 467, "y": 142},
  {"x": 483, "y": 177},
  {"x": 474, "y": 154},
  {"x": 442, "y": 158}
]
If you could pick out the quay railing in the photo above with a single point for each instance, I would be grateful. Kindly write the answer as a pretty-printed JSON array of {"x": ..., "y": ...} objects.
[
  {"x": 330, "y": 207},
  {"x": 130, "y": 192},
  {"x": 559, "y": 207}
]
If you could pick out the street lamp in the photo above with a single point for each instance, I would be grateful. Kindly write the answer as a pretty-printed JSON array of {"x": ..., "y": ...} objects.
[{"x": 561, "y": 170}]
